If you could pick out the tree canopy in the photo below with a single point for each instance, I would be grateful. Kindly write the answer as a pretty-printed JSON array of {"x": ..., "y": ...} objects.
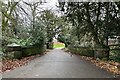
[{"x": 99, "y": 20}]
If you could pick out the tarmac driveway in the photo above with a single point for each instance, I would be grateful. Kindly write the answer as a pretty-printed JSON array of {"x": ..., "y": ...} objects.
[{"x": 58, "y": 64}]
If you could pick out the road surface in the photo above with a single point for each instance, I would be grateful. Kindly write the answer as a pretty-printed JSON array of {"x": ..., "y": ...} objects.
[{"x": 58, "y": 64}]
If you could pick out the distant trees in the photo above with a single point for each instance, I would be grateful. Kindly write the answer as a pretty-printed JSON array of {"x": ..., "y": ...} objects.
[
  {"x": 54, "y": 25},
  {"x": 50, "y": 20},
  {"x": 64, "y": 32}
]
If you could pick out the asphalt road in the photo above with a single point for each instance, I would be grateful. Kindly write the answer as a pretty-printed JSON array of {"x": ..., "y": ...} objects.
[{"x": 58, "y": 64}]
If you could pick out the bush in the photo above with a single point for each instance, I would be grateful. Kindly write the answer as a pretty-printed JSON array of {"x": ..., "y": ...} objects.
[
  {"x": 83, "y": 51},
  {"x": 32, "y": 50}
]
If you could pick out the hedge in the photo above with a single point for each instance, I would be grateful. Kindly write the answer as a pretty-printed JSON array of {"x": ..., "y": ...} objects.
[
  {"x": 89, "y": 52},
  {"x": 83, "y": 51},
  {"x": 19, "y": 52},
  {"x": 32, "y": 50}
]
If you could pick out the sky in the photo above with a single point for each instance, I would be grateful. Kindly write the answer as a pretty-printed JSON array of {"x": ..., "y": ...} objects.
[{"x": 51, "y": 3}]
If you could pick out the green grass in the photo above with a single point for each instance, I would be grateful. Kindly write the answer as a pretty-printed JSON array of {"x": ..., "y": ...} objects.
[{"x": 58, "y": 45}]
